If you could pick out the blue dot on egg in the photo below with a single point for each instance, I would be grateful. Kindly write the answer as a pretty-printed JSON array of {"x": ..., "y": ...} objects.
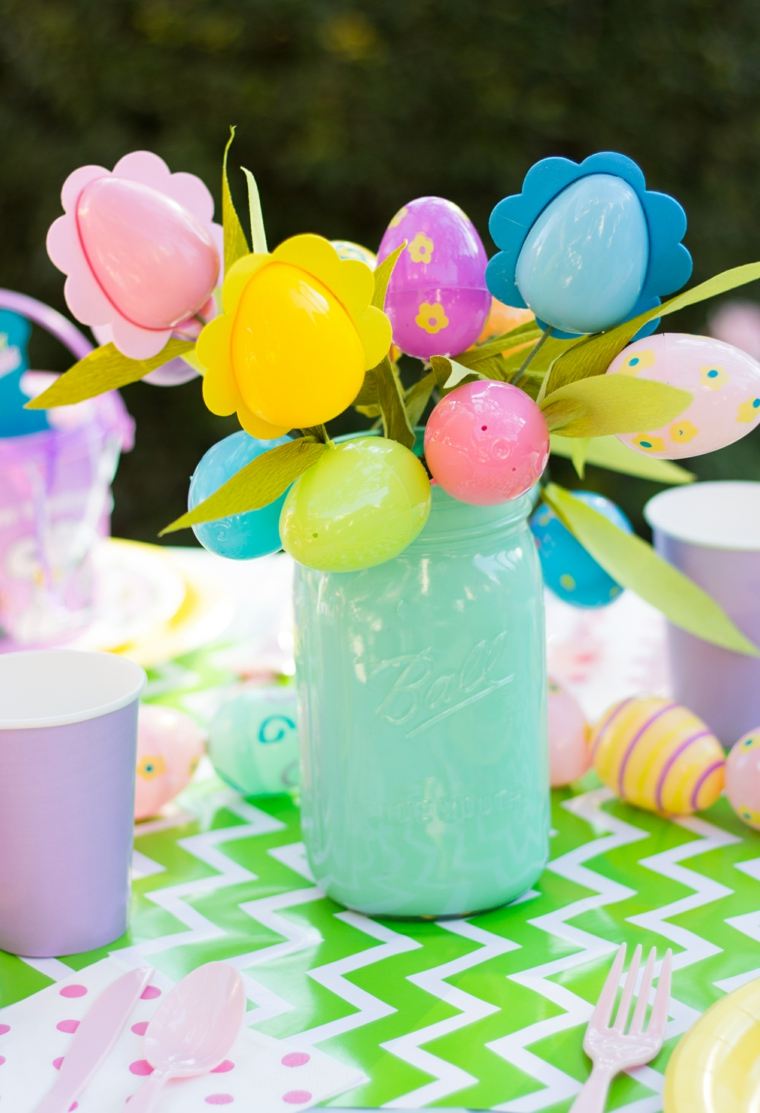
[
  {"x": 756, "y": 403},
  {"x": 712, "y": 374},
  {"x": 632, "y": 362}
]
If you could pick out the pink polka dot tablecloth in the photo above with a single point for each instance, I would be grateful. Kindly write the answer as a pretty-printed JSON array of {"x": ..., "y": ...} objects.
[{"x": 260, "y": 1073}]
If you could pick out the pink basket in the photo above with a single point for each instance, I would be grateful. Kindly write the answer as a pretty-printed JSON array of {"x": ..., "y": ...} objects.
[{"x": 55, "y": 501}]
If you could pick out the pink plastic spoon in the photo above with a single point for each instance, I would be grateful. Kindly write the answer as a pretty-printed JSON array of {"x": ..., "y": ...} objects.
[{"x": 193, "y": 1029}]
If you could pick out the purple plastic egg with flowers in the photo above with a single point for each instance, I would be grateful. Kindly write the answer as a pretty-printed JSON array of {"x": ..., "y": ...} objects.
[{"x": 437, "y": 299}]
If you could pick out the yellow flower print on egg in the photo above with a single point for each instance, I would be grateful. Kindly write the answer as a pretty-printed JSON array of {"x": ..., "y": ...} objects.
[
  {"x": 421, "y": 248},
  {"x": 638, "y": 361},
  {"x": 151, "y": 767},
  {"x": 431, "y": 317},
  {"x": 396, "y": 220},
  {"x": 649, "y": 443},
  {"x": 713, "y": 377},
  {"x": 749, "y": 410},
  {"x": 683, "y": 431}
]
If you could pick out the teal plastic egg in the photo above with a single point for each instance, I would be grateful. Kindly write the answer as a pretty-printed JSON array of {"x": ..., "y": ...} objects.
[
  {"x": 583, "y": 263},
  {"x": 241, "y": 536},
  {"x": 253, "y": 741},
  {"x": 570, "y": 572}
]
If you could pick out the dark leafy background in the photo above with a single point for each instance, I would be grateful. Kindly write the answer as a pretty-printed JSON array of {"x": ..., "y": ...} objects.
[{"x": 345, "y": 111}]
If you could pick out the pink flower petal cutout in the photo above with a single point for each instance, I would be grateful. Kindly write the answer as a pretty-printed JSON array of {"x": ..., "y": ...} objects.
[
  {"x": 150, "y": 993},
  {"x": 219, "y": 1099},
  {"x": 4, "y": 1028},
  {"x": 68, "y": 1026},
  {"x": 140, "y": 1028},
  {"x": 58, "y": 1063},
  {"x": 297, "y": 1097}
]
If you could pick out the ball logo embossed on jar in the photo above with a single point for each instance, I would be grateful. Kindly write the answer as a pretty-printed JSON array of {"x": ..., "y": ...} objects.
[{"x": 418, "y": 697}]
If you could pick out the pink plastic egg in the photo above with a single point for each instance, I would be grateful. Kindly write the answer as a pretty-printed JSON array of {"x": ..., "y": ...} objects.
[
  {"x": 743, "y": 778},
  {"x": 169, "y": 747},
  {"x": 724, "y": 382},
  {"x": 486, "y": 442},
  {"x": 437, "y": 298},
  {"x": 569, "y": 737},
  {"x": 151, "y": 257}
]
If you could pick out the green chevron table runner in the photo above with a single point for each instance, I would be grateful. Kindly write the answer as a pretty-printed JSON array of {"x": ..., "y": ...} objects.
[{"x": 482, "y": 1013}]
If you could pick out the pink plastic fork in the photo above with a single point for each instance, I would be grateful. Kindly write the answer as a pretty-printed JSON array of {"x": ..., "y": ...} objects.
[{"x": 610, "y": 1047}]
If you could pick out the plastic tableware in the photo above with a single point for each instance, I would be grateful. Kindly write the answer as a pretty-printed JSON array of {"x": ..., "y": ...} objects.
[
  {"x": 192, "y": 1030},
  {"x": 711, "y": 531},
  {"x": 714, "y": 1069},
  {"x": 617, "y": 1046},
  {"x": 68, "y": 745},
  {"x": 94, "y": 1039}
]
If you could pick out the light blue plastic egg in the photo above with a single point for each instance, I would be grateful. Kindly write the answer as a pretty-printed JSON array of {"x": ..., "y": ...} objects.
[
  {"x": 570, "y": 572},
  {"x": 583, "y": 263},
  {"x": 241, "y": 536},
  {"x": 253, "y": 741}
]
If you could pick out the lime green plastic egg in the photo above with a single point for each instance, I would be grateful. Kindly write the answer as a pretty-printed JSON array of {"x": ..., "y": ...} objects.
[{"x": 361, "y": 504}]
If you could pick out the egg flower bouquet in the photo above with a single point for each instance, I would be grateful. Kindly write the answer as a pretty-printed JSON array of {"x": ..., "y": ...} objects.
[{"x": 420, "y": 639}]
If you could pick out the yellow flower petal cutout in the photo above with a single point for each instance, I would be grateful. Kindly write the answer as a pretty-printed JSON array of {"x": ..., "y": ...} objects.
[
  {"x": 297, "y": 334},
  {"x": 255, "y": 426},
  {"x": 212, "y": 352}
]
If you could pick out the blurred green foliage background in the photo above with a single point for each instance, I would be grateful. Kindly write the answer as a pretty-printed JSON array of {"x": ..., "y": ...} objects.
[{"x": 345, "y": 110}]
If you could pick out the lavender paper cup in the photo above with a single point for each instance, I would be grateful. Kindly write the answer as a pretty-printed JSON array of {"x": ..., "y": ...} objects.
[
  {"x": 711, "y": 532},
  {"x": 68, "y": 745}
]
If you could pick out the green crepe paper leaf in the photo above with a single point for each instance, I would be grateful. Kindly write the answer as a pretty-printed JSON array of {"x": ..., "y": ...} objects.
[
  {"x": 612, "y": 404},
  {"x": 610, "y": 453},
  {"x": 592, "y": 355},
  {"x": 382, "y": 388},
  {"x": 255, "y": 485},
  {"x": 452, "y": 372},
  {"x": 579, "y": 454},
  {"x": 235, "y": 243},
  {"x": 418, "y": 395},
  {"x": 635, "y": 565},
  {"x": 102, "y": 370},
  {"x": 525, "y": 334},
  {"x": 383, "y": 272},
  {"x": 255, "y": 215}
]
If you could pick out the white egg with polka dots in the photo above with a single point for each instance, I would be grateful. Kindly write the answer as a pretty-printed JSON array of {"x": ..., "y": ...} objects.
[{"x": 724, "y": 383}]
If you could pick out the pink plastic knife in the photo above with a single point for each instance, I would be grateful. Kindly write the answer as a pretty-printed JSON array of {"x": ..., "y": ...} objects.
[{"x": 94, "y": 1039}]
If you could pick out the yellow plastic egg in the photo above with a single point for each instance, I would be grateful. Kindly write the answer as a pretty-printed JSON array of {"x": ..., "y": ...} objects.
[{"x": 660, "y": 756}]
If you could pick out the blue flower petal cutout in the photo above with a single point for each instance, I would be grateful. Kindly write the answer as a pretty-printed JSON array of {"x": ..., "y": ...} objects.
[{"x": 669, "y": 264}]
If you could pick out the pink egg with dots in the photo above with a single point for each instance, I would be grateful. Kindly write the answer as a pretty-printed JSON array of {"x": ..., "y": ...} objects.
[
  {"x": 743, "y": 778},
  {"x": 486, "y": 443},
  {"x": 437, "y": 299},
  {"x": 569, "y": 737}
]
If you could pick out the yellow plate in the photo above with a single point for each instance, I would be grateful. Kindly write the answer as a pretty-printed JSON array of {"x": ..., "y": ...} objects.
[{"x": 716, "y": 1066}]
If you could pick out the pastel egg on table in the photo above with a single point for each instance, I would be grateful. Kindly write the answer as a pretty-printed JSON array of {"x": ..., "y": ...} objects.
[
  {"x": 253, "y": 741},
  {"x": 659, "y": 756},
  {"x": 569, "y": 737},
  {"x": 570, "y": 572},
  {"x": 724, "y": 382},
  {"x": 743, "y": 778},
  {"x": 437, "y": 299},
  {"x": 169, "y": 746}
]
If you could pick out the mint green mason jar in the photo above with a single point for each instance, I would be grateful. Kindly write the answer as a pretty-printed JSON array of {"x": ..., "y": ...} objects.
[{"x": 422, "y": 704}]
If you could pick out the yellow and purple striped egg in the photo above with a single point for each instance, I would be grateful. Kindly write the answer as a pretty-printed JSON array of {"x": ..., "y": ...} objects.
[{"x": 659, "y": 756}]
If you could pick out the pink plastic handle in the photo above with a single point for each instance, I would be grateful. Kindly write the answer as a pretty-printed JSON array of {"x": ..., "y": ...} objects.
[
  {"x": 50, "y": 319},
  {"x": 593, "y": 1097}
]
